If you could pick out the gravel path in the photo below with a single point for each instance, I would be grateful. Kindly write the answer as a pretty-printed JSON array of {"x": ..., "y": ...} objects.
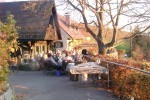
[{"x": 37, "y": 86}]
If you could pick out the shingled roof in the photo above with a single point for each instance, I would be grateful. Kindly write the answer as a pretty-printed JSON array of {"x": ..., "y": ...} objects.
[
  {"x": 33, "y": 17},
  {"x": 72, "y": 32}
]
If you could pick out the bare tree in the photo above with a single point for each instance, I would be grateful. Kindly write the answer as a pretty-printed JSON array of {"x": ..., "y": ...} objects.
[{"x": 107, "y": 13}]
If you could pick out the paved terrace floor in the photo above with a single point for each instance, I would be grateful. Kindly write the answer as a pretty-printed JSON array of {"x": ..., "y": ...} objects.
[{"x": 37, "y": 86}]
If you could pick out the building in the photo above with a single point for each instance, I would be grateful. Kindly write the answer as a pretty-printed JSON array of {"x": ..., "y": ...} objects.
[
  {"x": 71, "y": 36},
  {"x": 38, "y": 24},
  {"x": 74, "y": 34}
]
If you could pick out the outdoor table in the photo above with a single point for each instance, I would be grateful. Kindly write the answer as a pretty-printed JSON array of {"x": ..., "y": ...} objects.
[
  {"x": 85, "y": 68},
  {"x": 69, "y": 65}
]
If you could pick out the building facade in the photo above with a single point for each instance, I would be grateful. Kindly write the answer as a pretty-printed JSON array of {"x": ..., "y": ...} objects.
[{"x": 38, "y": 24}]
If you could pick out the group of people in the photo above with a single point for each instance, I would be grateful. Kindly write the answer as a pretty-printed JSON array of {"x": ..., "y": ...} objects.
[{"x": 59, "y": 60}]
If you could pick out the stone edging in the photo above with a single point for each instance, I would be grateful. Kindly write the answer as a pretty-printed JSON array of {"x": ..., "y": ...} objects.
[{"x": 8, "y": 95}]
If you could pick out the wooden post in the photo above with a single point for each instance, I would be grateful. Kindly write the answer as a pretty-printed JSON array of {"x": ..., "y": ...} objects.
[{"x": 108, "y": 75}]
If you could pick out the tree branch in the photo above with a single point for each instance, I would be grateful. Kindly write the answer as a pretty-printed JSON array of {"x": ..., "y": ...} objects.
[{"x": 139, "y": 33}]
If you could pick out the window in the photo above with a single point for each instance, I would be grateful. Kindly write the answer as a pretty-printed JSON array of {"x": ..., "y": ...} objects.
[{"x": 58, "y": 44}]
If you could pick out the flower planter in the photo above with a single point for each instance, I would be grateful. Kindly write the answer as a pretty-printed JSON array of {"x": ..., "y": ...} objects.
[{"x": 8, "y": 95}]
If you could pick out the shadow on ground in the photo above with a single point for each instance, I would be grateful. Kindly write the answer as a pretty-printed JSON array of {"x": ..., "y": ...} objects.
[{"x": 37, "y": 86}]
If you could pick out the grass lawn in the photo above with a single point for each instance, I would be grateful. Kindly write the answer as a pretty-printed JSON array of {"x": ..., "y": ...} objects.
[{"x": 124, "y": 46}]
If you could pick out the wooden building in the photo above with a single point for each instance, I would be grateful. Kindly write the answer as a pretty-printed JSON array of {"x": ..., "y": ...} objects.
[{"x": 38, "y": 24}]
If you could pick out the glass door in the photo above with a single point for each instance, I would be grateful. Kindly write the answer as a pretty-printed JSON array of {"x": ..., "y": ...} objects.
[{"x": 40, "y": 48}]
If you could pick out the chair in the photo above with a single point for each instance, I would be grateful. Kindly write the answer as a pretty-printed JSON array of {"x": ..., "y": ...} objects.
[
  {"x": 48, "y": 67},
  {"x": 64, "y": 65}
]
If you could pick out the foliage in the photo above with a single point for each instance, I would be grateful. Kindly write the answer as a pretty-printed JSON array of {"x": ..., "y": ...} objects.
[
  {"x": 124, "y": 46},
  {"x": 148, "y": 56},
  {"x": 138, "y": 53},
  {"x": 141, "y": 46},
  {"x": 126, "y": 82},
  {"x": 8, "y": 43},
  {"x": 141, "y": 87}
]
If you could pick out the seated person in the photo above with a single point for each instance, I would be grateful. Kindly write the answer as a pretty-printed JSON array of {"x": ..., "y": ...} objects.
[
  {"x": 53, "y": 62},
  {"x": 68, "y": 57},
  {"x": 41, "y": 61},
  {"x": 77, "y": 57},
  {"x": 58, "y": 58}
]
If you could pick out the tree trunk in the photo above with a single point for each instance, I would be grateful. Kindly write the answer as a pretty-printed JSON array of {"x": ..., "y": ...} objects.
[
  {"x": 102, "y": 50},
  {"x": 101, "y": 47}
]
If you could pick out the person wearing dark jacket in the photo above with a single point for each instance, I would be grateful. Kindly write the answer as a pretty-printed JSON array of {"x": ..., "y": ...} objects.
[{"x": 53, "y": 62}]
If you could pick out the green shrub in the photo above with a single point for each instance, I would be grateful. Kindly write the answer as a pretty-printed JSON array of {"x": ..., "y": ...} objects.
[
  {"x": 124, "y": 46},
  {"x": 31, "y": 66}
]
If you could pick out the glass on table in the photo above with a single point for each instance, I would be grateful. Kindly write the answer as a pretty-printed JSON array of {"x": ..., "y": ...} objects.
[{"x": 98, "y": 61}]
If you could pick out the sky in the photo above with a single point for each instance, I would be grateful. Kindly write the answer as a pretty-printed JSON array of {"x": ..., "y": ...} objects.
[
  {"x": 75, "y": 16},
  {"x": 12, "y": 0}
]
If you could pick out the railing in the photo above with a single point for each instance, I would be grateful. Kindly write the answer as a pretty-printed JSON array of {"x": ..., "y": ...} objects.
[{"x": 124, "y": 66}]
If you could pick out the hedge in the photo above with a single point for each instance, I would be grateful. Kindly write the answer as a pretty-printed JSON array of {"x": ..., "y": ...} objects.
[{"x": 126, "y": 83}]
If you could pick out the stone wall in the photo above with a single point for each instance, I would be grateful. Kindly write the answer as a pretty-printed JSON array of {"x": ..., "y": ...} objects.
[{"x": 8, "y": 95}]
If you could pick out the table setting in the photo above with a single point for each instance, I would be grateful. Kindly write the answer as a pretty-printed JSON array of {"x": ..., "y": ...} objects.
[{"x": 86, "y": 68}]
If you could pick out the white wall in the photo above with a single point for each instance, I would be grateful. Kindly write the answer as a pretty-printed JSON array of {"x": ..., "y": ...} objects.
[{"x": 65, "y": 37}]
